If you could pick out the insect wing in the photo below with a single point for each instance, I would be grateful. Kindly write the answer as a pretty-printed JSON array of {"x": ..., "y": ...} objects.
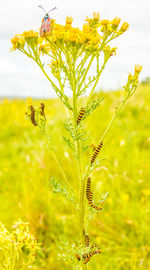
[{"x": 46, "y": 25}]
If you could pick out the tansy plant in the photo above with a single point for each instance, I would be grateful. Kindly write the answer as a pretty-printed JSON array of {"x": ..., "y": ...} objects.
[
  {"x": 18, "y": 248},
  {"x": 75, "y": 61}
]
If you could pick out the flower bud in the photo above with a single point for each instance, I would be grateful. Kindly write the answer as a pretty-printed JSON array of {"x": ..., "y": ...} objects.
[
  {"x": 124, "y": 27},
  {"x": 104, "y": 22},
  {"x": 116, "y": 21},
  {"x": 69, "y": 20},
  {"x": 96, "y": 16},
  {"x": 138, "y": 68}
]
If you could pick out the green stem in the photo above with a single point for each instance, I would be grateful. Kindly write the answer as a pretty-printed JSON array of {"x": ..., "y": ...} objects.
[
  {"x": 87, "y": 69},
  {"x": 60, "y": 168},
  {"x": 95, "y": 84},
  {"x": 78, "y": 153}
]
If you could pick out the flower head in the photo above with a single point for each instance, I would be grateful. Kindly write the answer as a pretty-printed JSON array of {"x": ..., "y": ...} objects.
[
  {"x": 138, "y": 68},
  {"x": 31, "y": 37},
  {"x": 96, "y": 16},
  {"x": 124, "y": 27},
  {"x": 69, "y": 20},
  {"x": 18, "y": 42}
]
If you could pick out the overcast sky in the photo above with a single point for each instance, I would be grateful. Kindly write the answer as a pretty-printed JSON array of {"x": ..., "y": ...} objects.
[{"x": 20, "y": 76}]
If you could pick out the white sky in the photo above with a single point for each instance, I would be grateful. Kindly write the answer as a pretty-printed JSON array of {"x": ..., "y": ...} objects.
[{"x": 20, "y": 76}]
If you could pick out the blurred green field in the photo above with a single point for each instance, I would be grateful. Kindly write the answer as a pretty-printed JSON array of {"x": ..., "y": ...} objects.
[{"x": 123, "y": 227}]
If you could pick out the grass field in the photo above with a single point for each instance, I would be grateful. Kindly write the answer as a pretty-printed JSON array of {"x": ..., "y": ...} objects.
[{"x": 26, "y": 168}]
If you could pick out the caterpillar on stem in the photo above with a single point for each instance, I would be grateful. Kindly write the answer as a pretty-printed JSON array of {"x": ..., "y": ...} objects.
[
  {"x": 80, "y": 115},
  {"x": 95, "y": 154},
  {"x": 32, "y": 115}
]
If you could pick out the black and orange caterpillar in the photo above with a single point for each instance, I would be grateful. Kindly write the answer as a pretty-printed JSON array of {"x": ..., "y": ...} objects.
[
  {"x": 32, "y": 115},
  {"x": 88, "y": 187},
  {"x": 90, "y": 254},
  {"x": 89, "y": 195},
  {"x": 80, "y": 116},
  {"x": 87, "y": 240},
  {"x": 95, "y": 154},
  {"x": 42, "y": 107}
]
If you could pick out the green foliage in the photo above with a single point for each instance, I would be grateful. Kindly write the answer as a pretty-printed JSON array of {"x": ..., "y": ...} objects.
[{"x": 58, "y": 187}]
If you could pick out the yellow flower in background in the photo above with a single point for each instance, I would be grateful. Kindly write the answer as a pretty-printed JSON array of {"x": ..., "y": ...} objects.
[
  {"x": 146, "y": 192},
  {"x": 125, "y": 197},
  {"x": 29, "y": 101}
]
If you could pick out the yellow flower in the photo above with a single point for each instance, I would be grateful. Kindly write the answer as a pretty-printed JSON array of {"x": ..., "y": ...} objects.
[
  {"x": 104, "y": 22},
  {"x": 69, "y": 20},
  {"x": 30, "y": 34},
  {"x": 113, "y": 51},
  {"x": 58, "y": 32},
  {"x": 116, "y": 21},
  {"x": 17, "y": 42},
  {"x": 86, "y": 28},
  {"x": 87, "y": 19},
  {"x": 94, "y": 39},
  {"x": 31, "y": 37},
  {"x": 44, "y": 49},
  {"x": 74, "y": 35},
  {"x": 96, "y": 16},
  {"x": 124, "y": 27},
  {"x": 29, "y": 101},
  {"x": 138, "y": 68}
]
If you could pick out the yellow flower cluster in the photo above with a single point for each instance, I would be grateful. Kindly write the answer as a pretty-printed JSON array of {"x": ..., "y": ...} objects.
[
  {"x": 91, "y": 35},
  {"x": 18, "y": 42},
  {"x": 31, "y": 37},
  {"x": 18, "y": 246}
]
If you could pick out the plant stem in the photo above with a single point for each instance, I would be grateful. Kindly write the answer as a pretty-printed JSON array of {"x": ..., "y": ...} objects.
[{"x": 79, "y": 164}]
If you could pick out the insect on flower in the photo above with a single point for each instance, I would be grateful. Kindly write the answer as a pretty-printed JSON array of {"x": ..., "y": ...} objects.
[{"x": 46, "y": 22}]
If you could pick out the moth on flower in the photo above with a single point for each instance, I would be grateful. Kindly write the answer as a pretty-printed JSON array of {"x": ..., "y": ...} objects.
[{"x": 46, "y": 22}]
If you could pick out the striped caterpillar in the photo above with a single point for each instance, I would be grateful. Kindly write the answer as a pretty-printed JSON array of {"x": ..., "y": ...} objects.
[
  {"x": 87, "y": 240},
  {"x": 95, "y": 154},
  {"x": 32, "y": 115},
  {"x": 89, "y": 195},
  {"x": 80, "y": 116},
  {"x": 42, "y": 106},
  {"x": 90, "y": 254}
]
